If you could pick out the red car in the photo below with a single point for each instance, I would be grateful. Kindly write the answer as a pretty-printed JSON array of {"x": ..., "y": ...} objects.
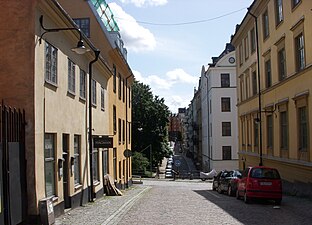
[{"x": 260, "y": 183}]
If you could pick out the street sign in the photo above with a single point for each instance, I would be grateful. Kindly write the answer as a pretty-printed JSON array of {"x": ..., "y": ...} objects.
[
  {"x": 177, "y": 163},
  {"x": 102, "y": 142},
  {"x": 127, "y": 153}
]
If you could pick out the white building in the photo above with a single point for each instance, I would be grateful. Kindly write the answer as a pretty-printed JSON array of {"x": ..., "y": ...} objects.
[{"x": 219, "y": 113}]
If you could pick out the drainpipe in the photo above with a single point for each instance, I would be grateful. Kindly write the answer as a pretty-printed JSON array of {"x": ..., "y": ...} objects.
[{"x": 91, "y": 194}]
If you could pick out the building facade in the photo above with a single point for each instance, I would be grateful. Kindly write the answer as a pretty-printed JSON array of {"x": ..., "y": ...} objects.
[
  {"x": 274, "y": 84},
  {"x": 218, "y": 105},
  {"x": 51, "y": 82}
]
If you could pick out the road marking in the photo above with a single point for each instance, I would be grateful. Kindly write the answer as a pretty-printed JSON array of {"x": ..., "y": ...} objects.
[
  {"x": 209, "y": 192},
  {"x": 117, "y": 216}
]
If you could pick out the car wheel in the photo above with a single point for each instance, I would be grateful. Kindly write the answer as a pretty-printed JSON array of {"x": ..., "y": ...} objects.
[
  {"x": 230, "y": 192},
  {"x": 246, "y": 199},
  {"x": 219, "y": 189}
]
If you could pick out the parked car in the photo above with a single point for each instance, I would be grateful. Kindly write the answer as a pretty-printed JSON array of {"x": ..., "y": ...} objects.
[
  {"x": 227, "y": 181},
  {"x": 260, "y": 183},
  {"x": 216, "y": 180}
]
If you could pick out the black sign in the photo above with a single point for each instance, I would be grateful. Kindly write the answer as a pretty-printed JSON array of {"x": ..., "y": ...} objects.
[{"x": 103, "y": 142}]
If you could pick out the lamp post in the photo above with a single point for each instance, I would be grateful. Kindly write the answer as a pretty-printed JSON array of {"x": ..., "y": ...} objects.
[{"x": 259, "y": 117}]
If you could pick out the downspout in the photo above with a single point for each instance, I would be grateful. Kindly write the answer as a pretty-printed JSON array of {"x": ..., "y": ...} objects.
[
  {"x": 208, "y": 135},
  {"x": 97, "y": 53},
  {"x": 127, "y": 134}
]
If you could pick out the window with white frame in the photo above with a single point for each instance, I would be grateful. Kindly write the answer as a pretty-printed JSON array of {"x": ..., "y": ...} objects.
[
  {"x": 49, "y": 164},
  {"x": 83, "y": 84},
  {"x": 284, "y": 130},
  {"x": 95, "y": 164},
  {"x": 77, "y": 150},
  {"x": 270, "y": 131},
  {"x": 282, "y": 64},
  {"x": 265, "y": 24},
  {"x": 84, "y": 25},
  {"x": 105, "y": 161},
  {"x": 71, "y": 77},
  {"x": 252, "y": 40},
  {"x": 102, "y": 98},
  {"x": 93, "y": 95},
  {"x": 299, "y": 51},
  {"x": 225, "y": 80},
  {"x": 50, "y": 63},
  {"x": 225, "y": 104},
  {"x": 279, "y": 11}
]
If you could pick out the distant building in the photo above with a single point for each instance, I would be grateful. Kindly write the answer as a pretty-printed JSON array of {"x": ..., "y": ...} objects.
[{"x": 219, "y": 115}]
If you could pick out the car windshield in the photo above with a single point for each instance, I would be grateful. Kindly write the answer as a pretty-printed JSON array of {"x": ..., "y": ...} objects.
[{"x": 265, "y": 173}]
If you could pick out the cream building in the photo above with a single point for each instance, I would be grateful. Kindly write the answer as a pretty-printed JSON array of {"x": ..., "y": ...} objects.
[
  {"x": 274, "y": 122},
  {"x": 51, "y": 82}
]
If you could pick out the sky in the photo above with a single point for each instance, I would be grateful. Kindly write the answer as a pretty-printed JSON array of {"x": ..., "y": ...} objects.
[{"x": 168, "y": 41}]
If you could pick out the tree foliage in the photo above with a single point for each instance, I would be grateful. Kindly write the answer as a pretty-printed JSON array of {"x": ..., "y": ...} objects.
[{"x": 149, "y": 123}]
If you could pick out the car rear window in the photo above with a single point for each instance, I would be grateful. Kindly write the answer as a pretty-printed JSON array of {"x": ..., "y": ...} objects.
[{"x": 264, "y": 173}]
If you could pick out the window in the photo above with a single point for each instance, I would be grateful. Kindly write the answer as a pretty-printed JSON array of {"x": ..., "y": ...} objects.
[
  {"x": 114, "y": 120},
  {"x": 279, "y": 11},
  {"x": 102, "y": 98},
  {"x": 265, "y": 23},
  {"x": 50, "y": 63},
  {"x": 114, "y": 78},
  {"x": 95, "y": 164},
  {"x": 270, "y": 131},
  {"x": 282, "y": 64},
  {"x": 284, "y": 130},
  {"x": 303, "y": 128},
  {"x": 123, "y": 90},
  {"x": 241, "y": 54},
  {"x": 243, "y": 131},
  {"x": 295, "y": 3},
  {"x": 123, "y": 132},
  {"x": 93, "y": 95},
  {"x": 71, "y": 77},
  {"x": 241, "y": 88},
  {"x": 247, "y": 84},
  {"x": 119, "y": 86},
  {"x": 115, "y": 163},
  {"x": 83, "y": 84},
  {"x": 105, "y": 162},
  {"x": 256, "y": 132},
  {"x": 299, "y": 51},
  {"x": 77, "y": 159},
  {"x": 226, "y": 128},
  {"x": 246, "y": 47},
  {"x": 84, "y": 25},
  {"x": 254, "y": 82},
  {"x": 225, "y": 80},
  {"x": 268, "y": 75},
  {"x": 119, "y": 131},
  {"x": 129, "y": 97},
  {"x": 49, "y": 164},
  {"x": 252, "y": 40},
  {"x": 226, "y": 153},
  {"x": 226, "y": 104}
]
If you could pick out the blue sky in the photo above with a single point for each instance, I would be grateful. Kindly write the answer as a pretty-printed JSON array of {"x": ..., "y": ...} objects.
[{"x": 168, "y": 41}]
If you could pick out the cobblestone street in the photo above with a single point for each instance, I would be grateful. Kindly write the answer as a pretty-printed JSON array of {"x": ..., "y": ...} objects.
[{"x": 185, "y": 202}]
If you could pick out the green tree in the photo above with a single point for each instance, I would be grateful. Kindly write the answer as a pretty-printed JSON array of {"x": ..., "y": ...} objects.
[
  {"x": 139, "y": 163},
  {"x": 149, "y": 123}
]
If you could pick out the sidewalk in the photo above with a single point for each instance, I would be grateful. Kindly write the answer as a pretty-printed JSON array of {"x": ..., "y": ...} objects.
[{"x": 106, "y": 211}]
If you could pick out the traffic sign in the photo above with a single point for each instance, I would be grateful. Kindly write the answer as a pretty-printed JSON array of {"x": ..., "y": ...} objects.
[{"x": 177, "y": 163}]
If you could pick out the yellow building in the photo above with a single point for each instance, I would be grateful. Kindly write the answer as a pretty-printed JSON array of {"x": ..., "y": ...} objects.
[
  {"x": 97, "y": 22},
  {"x": 55, "y": 86},
  {"x": 279, "y": 134}
]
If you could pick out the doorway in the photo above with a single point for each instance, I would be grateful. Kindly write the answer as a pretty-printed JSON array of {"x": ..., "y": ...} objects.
[{"x": 67, "y": 203}]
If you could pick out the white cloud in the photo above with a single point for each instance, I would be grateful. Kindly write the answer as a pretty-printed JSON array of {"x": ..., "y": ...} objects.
[
  {"x": 168, "y": 85},
  {"x": 141, "y": 3},
  {"x": 135, "y": 37},
  {"x": 179, "y": 75}
]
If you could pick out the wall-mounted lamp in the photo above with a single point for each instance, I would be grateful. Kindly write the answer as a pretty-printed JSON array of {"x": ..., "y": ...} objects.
[{"x": 79, "y": 49}]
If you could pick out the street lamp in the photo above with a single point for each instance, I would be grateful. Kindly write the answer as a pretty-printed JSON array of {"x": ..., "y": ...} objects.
[
  {"x": 259, "y": 117},
  {"x": 79, "y": 49}
]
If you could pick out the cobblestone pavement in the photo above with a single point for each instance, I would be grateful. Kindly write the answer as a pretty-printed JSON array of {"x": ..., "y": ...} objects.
[{"x": 189, "y": 202}]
